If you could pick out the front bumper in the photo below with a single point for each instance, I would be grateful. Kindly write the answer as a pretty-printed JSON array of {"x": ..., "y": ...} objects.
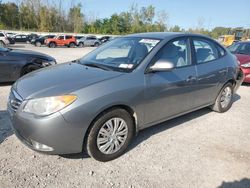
[
  {"x": 59, "y": 136},
  {"x": 246, "y": 72}
]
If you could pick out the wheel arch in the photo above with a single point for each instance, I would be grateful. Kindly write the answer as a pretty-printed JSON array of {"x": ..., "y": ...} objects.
[{"x": 113, "y": 107}]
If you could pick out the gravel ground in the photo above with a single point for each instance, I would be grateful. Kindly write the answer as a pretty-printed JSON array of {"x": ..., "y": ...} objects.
[{"x": 200, "y": 149}]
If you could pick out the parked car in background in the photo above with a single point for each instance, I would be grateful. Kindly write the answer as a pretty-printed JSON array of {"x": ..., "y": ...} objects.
[
  {"x": 61, "y": 40},
  {"x": 105, "y": 39},
  {"x": 89, "y": 41},
  {"x": 242, "y": 52},
  {"x": 10, "y": 34},
  {"x": 78, "y": 37},
  {"x": 99, "y": 102},
  {"x": 32, "y": 36},
  {"x": 16, "y": 63},
  {"x": 41, "y": 40},
  {"x": 20, "y": 38},
  {"x": 11, "y": 40},
  {"x": 3, "y": 39}
]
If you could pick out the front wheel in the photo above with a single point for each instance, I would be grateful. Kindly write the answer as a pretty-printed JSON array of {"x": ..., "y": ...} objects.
[
  {"x": 81, "y": 45},
  {"x": 110, "y": 135},
  {"x": 96, "y": 44},
  {"x": 224, "y": 100},
  {"x": 28, "y": 69}
]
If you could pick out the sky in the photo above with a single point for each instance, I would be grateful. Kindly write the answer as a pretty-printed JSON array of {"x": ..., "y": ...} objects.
[{"x": 185, "y": 13}]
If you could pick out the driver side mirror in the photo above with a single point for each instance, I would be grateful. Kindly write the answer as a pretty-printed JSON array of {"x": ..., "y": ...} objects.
[{"x": 161, "y": 66}]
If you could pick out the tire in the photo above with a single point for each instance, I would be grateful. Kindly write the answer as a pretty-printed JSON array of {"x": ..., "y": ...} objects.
[
  {"x": 118, "y": 142},
  {"x": 81, "y": 45},
  {"x": 2, "y": 44},
  {"x": 96, "y": 44},
  {"x": 27, "y": 69},
  {"x": 72, "y": 45},
  {"x": 224, "y": 100},
  {"x": 38, "y": 44},
  {"x": 52, "y": 45}
]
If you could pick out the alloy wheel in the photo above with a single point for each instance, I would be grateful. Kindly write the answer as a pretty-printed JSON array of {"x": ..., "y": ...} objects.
[
  {"x": 112, "y": 135},
  {"x": 226, "y": 97}
]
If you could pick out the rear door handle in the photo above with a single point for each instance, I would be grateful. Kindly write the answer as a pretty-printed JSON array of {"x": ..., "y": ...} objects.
[{"x": 191, "y": 79}]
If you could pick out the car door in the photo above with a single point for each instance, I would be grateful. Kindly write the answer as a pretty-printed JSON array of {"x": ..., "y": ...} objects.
[
  {"x": 18, "y": 38},
  {"x": 211, "y": 71},
  {"x": 7, "y": 67},
  {"x": 171, "y": 93},
  {"x": 60, "y": 41},
  {"x": 24, "y": 38},
  {"x": 87, "y": 42}
]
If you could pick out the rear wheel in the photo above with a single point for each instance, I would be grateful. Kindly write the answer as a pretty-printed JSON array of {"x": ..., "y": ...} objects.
[
  {"x": 52, "y": 45},
  {"x": 110, "y": 135},
  {"x": 72, "y": 45},
  {"x": 224, "y": 100}
]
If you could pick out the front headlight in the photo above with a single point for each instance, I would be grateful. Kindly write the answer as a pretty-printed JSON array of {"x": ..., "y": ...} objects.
[
  {"x": 48, "y": 105},
  {"x": 48, "y": 63},
  {"x": 246, "y": 65}
]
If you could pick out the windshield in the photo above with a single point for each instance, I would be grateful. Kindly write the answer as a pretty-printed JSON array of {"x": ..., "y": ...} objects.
[
  {"x": 121, "y": 54},
  {"x": 240, "y": 48}
]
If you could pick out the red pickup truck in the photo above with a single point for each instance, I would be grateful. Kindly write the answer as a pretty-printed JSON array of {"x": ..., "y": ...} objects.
[{"x": 61, "y": 40}]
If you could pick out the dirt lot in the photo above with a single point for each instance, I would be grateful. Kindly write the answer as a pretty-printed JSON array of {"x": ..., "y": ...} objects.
[{"x": 200, "y": 149}]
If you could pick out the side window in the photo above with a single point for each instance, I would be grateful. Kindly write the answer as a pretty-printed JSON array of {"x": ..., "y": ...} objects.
[
  {"x": 1, "y": 35},
  {"x": 61, "y": 37},
  {"x": 18, "y": 37},
  {"x": 205, "y": 50},
  {"x": 176, "y": 52},
  {"x": 68, "y": 37}
]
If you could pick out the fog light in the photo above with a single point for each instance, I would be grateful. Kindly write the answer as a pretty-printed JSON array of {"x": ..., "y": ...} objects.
[{"x": 41, "y": 147}]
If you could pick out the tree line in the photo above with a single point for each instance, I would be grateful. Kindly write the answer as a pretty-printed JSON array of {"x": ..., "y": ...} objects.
[{"x": 52, "y": 16}]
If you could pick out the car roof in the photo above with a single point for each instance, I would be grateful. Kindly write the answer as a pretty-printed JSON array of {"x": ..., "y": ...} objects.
[{"x": 164, "y": 35}]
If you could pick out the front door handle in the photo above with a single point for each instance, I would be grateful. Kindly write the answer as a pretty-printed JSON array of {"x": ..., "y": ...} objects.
[{"x": 191, "y": 79}]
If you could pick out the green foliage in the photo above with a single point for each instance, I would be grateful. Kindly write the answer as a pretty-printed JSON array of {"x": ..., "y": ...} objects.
[{"x": 48, "y": 16}]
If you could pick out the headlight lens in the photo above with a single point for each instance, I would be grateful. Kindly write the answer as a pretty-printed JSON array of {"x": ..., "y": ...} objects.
[
  {"x": 48, "y": 63},
  {"x": 48, "y": 105},
  {"x": 246, "y": 65}
]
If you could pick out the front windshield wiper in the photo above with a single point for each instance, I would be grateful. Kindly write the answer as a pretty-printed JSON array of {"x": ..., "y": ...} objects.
[{"x": 96, "y": 65}]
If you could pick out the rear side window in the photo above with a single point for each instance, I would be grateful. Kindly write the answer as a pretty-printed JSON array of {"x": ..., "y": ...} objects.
[
  {"x": 205, "y": 50},
  {"x": 1, "y": 35},
  {"x": 68, "y": 37}
]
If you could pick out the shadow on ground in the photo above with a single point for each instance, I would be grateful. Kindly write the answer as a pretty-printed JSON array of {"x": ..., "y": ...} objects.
[
  {"x": 5, "y": 128},
  {"x": 244, "y": 183}
]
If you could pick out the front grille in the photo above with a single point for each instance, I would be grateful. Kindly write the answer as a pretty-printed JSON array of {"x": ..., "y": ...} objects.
[{"x": 15, "y": 101}]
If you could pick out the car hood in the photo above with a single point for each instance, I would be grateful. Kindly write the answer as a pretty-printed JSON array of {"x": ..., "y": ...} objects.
[
  {"x": 27, "y": 53},
  {"x": 243, "y": 58},
  {"x": 60, "y": 80}
]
